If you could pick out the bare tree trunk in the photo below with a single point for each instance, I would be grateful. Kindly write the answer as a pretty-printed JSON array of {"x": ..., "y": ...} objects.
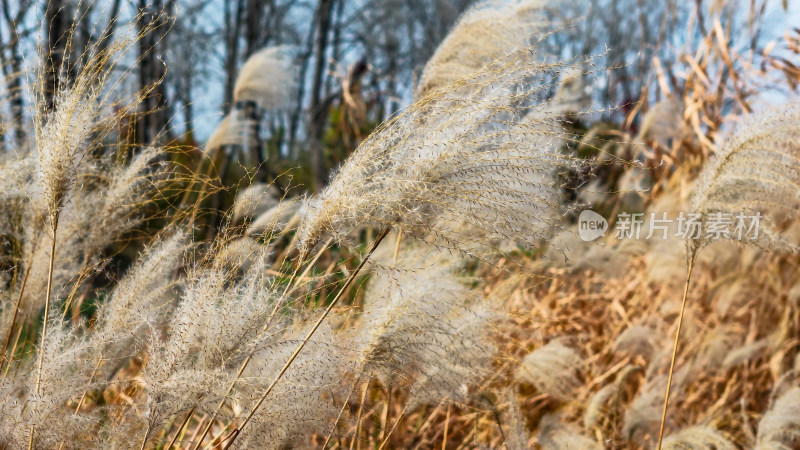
[
  {"x": 233, "y": 31},
  {"x": 152, "y": 117},
  {"x": 56, "y": 64},
  {"x": 294, "y": 120},
  {"x": 12, "y": 69},
  {"x": 318, "y": 111}
]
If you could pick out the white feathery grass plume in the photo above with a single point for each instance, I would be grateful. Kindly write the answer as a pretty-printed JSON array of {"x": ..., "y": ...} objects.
[
  {"x": 140, "y": 300},
  {"x": 487, "y": 31},
  {"x": 111, "y": 210},
  {"x": 63, "y": 140},
  {"x": 716, "y": 345},
  {"x": 268, "y": 78},
  {"x": 638, "y": 340},
  {"x": 232, "y": 130},
  {"x": 284, "y": 215},
  {"x": 422, "y": 325},
  {"x": 83, "y": 113},
  {"x": 779, "y": 428},
  {"x": 554, "y": 370},
  {"x": 92, "y": 220},
  {"x": 474, "y": 154},
  {"x": 15, "y": 175},
  {"x": 310, "y": 395},
  {"x": 757, "y": 169},
  {"x": 221, "y": 320},
  {"x": 607, "y": 401},
  {"x": 642, "y": 417},
  {"x": 254, "y": 201},
  {"x": 745, "y": 353},
  {"x": 557, "y": 435},
  {"x": 698, "y": 437},
  {"x": 597, "y": 408},
  {"x": 517, "y": 434},
  {"x": 239, "y": 255},
  {"x": 66, "y": 374}
]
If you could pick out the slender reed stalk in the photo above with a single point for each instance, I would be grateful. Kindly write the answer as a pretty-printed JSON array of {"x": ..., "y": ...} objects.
[
  {"x": 14, "y": 348},
  {"x": 387, "y": 413},
  {"x": 180, "y": 429},
  {"x": 291, "y": 282},
  {"x": 389, "y": 435},
  {"x": 689, "y": 269},
  {"x": 446, "y": 424},
  {"x": 341, "y": 411},
  {"x": 311, "y": 332},
  {"x": 16, "y": 312},
  {"x": 359, "y": 414},
  {"x": 46, "y": 314},
  {"x": 222, "y": 402}
]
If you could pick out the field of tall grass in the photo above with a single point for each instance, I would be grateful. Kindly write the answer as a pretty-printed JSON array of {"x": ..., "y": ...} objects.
[{"x": 440, "y": 291}]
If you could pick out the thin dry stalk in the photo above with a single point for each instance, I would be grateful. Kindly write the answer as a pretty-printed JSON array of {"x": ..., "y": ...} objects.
[
  {"x": 359, "y": 414},
  {"x": 180, "y": 429},
  {"x": 311, "y": 332},
  {"x": 16, "y": 312},
  {"x": 446, "y": 424},
  {"x": 46, "y": 315},
  {"x": 389, "y": 435},
  {"x": 689, "y": 269}
]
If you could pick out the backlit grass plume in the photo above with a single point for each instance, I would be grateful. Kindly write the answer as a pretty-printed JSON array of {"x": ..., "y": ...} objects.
[
  {"x": 698, "y": 438},
  {"x": 422, "y": 326},
  {"x": 267, "y": 78},
  {"x": 462, "y": 168},
  {"x": 487, "y": 31},
  {"x": 553, "y": 369},
  {"x": 780, "y": 426},
  {"x": 756, "y": 170}
]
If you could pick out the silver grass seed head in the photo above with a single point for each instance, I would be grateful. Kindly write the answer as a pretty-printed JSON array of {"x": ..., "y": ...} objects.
[
  {"x": 481, "y": 153},
  {"x": 757, "y": 169},
  {"x": 698, "y": 437}
]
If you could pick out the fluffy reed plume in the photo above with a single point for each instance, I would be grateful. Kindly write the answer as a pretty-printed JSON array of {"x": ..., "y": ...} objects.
[
  {"x": 40, "y": 397},
  {"x": 556, "y": 435},
  {"x": 698, "y": 438},
  {"x": 517, "y": 434},
  {"x": 642, "y": 416},
  {"x": 284, "y": 215},
  {"x": 757, "y": 169},
  {"x": 255, "y": 201},
  {"x": 664, "y": 123},
  {"x": 311, "y": 393},
  {"x": 607, "y": 401},
  {"x": 780, "y": 426},
  {"x": 745, "y": 353},
  {"x": 554, "y": 370},
  {"x": 64, "y": 137},
  {"x": 422, "y": 326},
  {"x": 267, "y": 78},
  {"x": 98, "y": 215},
  {"x": 232, "y": 130},
  {"x": 464, "y": 167},
  {"x": 638, "y": 340},
  {"x": 226, "y": 323},
  {"x": 139, "y": 302},
  {"x": 487, "y": 31},
  {"x": 716, "y": 345},
  {"x": 76, "y": 363}
]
